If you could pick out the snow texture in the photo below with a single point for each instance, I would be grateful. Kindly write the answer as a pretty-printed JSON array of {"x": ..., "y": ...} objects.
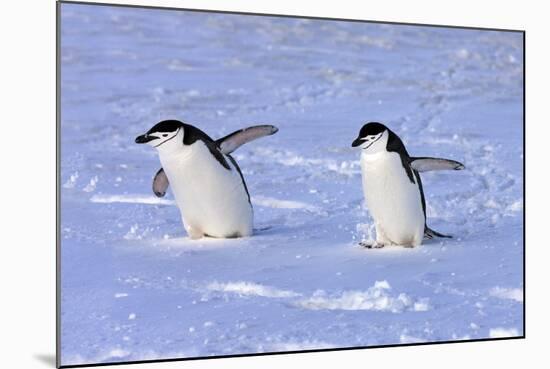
[
  {"x": 134, "y": 287},
  {"x": 375, "y": 298}
]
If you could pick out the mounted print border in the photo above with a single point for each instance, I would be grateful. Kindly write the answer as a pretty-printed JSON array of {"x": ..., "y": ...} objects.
[{"x": 132, "y": 284}]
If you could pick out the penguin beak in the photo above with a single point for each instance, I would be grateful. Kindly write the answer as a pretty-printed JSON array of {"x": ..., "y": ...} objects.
[
  {"x": 358, "y": 141},
  {"x": 145, "y": 138}
]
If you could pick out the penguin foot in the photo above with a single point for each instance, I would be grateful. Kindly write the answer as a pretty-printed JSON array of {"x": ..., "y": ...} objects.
[
  {"x": 371, "y": 245},
  {"x": 194, "y": 233}
]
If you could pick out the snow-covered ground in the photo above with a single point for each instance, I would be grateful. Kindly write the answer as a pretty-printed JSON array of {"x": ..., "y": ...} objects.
[{"x": 134, "y": 287}]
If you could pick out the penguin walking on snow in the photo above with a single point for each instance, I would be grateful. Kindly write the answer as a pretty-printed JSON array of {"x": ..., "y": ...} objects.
[
  {"x": 207, "y": 183},
  {"x": 393, "y": 189}
]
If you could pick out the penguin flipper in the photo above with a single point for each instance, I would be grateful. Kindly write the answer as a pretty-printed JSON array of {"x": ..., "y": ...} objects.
[
  {"x": 426, "y": 164},
  {"x": 430, "y": 233},
  {"x": 160, "y": 183},
  {"x": 233, "y": 141}
]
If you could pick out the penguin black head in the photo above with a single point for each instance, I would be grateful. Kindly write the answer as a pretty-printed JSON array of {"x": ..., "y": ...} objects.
[
  {"x": 161, "y": 133},
  {"x": 373, "y": 137}
]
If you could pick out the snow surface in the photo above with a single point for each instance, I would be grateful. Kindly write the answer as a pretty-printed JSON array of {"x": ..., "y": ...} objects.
[{"x": 134, "y": 287}]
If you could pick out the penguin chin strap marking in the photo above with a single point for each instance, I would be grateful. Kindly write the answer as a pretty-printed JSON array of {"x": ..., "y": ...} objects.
[
  {"x": 372, "y": 142},
  {"x": 163, "y": 142}
]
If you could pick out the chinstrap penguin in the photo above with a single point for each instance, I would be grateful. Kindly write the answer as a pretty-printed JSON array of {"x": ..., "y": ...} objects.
[
  {"x": 393, "y": 188},
  {"x": 207, "y": 183}
]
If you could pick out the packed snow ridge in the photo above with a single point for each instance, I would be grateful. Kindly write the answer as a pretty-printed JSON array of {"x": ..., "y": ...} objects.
[
  {"x": 503, "y": 332},
  {"x": 131, "y": 199},
  {"x": 376, "y": 298},
  {"x": 297, "y": 346},
  {"x": 283, "y": 204},
  {"x": 249, "y": 289},
  {"x": 515, "y": 294}
]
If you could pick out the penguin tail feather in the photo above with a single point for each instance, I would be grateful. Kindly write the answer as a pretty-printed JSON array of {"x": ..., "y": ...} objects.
[{"x": 430, "y": 233}]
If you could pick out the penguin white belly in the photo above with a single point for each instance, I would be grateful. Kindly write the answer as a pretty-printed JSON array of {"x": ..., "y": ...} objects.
[
  {"x": 212, "y": 199},
  {"x": 393, "y": 200}
]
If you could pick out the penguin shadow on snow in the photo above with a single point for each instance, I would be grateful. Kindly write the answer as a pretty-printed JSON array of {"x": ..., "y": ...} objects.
[
  {"x": 206, "y": 243},
  {"x": 427, "y": 246}
]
